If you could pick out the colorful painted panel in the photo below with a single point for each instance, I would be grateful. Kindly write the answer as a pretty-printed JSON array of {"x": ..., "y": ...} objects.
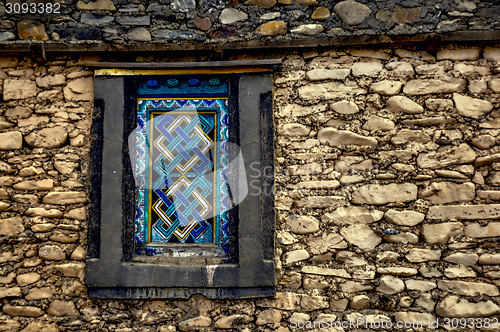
[{"x": 182, "y": 196}]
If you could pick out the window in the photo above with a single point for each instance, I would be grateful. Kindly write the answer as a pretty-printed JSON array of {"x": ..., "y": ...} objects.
[{"x": 171, "y": 212}]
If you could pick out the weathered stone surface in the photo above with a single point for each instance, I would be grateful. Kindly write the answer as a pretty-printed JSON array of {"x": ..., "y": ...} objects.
[
  {"x": 447, "y": 192},
  {"x": 10, "y": 292},
  {"x": 471, "y": 54},
  {"x": 133, "y": 20},
  {"x": 11, "y": 140},
  {"x": 420, "y": 55},
  {"x": 376, "y": 123},
  {"x": 344, "y": 107},
  {"x": 352, "y": 12},
  {"x": 491, "y": 230},
  {"x": 269, "y": 316},
  {"x": 49, "y": 138},
  {"x": 441, "y": 233},
  {"x": 446, "y": 156},
  {"x": 96, "y": 5},
  {"x": 177, "y": 35},
  {"x": 320, "y": 13},
  {"x": 426, "y": 86},
  {"x": 282, "y": 300},
  {"x": 47, "y": 184},
  {"x": 231, "y": 15},
  {"x": 462, "y": 258},
  {"x": 308, "y": 29},
  {"x": 353, "y": 215},
  {"x": 423, "y": 255},
  {"x": 27, "y": 278},
  {"x": 397, "y": 271},
  {"x": 420, "y": 285},
  {"x": 325, "y": 271},
  {"x": 383, "y": 194},
  {"x": 494, "y": 85},
  {"x": 65, "y": 167},
  {"x": 335, "y": 137},
  {"x": 64, "y": 198},
  {"x": 327, "y": 74},
  {"x": 296, "y": 256},
  {"x": 51, "y": 253},
  {"x": 361, "y": 236},
  {"x": 295, "y": 129},
  {"x": 139, "y": 34},
  {"x": 41, "y": 212},
  {"x": 390, "y": 285},
  {"x": 370, "y": 69},
  {"x": 403, "y": 104},
  {"x": 471, "y": 107},
  {"x": 232, "y": 321},
  {"x": 261, "y": 3},
  {"x": 459, "y": 271},
  {"x": 424, "y": 122},
  {"x": 402, "y": 237},
  {"x": 299, "y": 111},
  {"x": 410, "y": 136},
  {"x": 303, "y": 224},
  {"x": 386, "y": 87},
  {"x": 465, "y": 212},
  {"x": 39, "y": 294},
  {"x": 404, "y": 218},
  {"x": 330, "y": 90},
  {"x": 487, "y": 160},
  {"x": 18, "y": 89},
  {"x": 11, "y": 226},
  {"x": 26, "y": 311},
  {"x": 454, "y": 306},
  {"x": 79, "y": 89},
  {"x": 440, "y": 105},
  {"x": 62, "y": 308},
  {"x": 272, "y": 28}
]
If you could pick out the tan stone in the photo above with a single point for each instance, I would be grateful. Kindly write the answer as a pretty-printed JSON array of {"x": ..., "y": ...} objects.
[
  {"x": 487, "y": 160},
  {"x": 342, "y": 273},
  {"x": 471, "y": 107},
  {"x": 320, "y": 13},
  {"x": 441, "y": 233},
  {"x": 440, "y": 105},
  {"x": 320, "y": 202},
  {"x": 397, "y": 271},
  {"x": 330, "y": 90},
  {"x": 10, "y": 292},
  {"x": 11, "y": 226},
  {"x": 296, "y": 256},
  {"x": 410, "y": 136},
  {"x": 390, "y": 285},
  {"x": 41, "y": 212},
  {"x": 419, "y": 55},
  {"x": 423, "y": 255},
  {"x": 50, "y": 81},
  {"x": 232, "y": 321},
  {"x": 39, "y": 294},
  {"x": 402, "y": 237},
  {"x": 51, "y": 253},
  {"x": 471, "y": 54},
  {"x": 64, "y": 238},
  {"x": 295, "y": 129},
  {"x": 403, "y": 104},
  {"x": 282, "y": 300},
  {"x": 79, "y": 254},
  {"x": 377, "y": 123},
  {"x": 4, "y": 206},
  {"x": 446, "y": 156},
  {"x": 382, "y": 55},
  {"x": 447, "y": 192},
  {"x": 299, "y": 2},
  {"x": 462, "y": 258},
  {"x": 303, "y": 224},
  {"x": 26, "y": 199},
  {"x": 18, "y": 89},
  {"x": 79, "y": 89},
  {"x": 75, "y": 270},
  {"x": 470, "y": 70},
  {"x": 78, "y": 214},
  {"x": 298, "y": 110},
  {"x": 27, "y": 278},
  {"x": 62, "y": 308},
  {"x": 65, "y": 167},
  {"x": 96, "y": 5},
  {"x": 327, "y": 74},
  {"x": 489, "y": 259},
  {"x": 404, "y": 218},
  {"x": 43, "y": 228},
  {"x": 352, "y": 215},
  {"x": 261, "y": 3},
  {"x": 424, "y": 319},
  {"x": 456, "y": 307},
  {"x": 269, "y": 316},
  {"x": 307, "y": 169},
  {"x": 272, "y": 28},
  {"x": 64, "y": 198},
  {"x": 465, "y": 212},
  {"x": 47, "y": 184},
  {"x": 491, "y": 230},
  {"x": 494, "y": 85},
  {"x": 427, "y": 86},
  {"x": 41, "y": 327},
  {"x": 336, "y": 137},
  {"x": 370, "y": 69},
  {"x": 420, "y": 285},
  {"x": 386, "y": 87},
  {"x": 11, "y": 140},
  {"x": 344, "y": 107},
  {"x": 361, "y": 236},
  {"x": 47, "y": 138},
  {"x": 28, "y": 29},
  {"x": 26, "y": 311},
  {"x": 383, "y": 194}
]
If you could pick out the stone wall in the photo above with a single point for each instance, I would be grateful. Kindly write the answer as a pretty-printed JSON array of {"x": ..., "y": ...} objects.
[
  {"x": 217, "y": 21},
  {"x": 387, "y": 182}
]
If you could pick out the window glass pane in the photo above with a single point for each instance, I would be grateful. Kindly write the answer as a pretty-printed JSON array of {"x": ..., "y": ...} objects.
[{"x": 182, "y": 196}]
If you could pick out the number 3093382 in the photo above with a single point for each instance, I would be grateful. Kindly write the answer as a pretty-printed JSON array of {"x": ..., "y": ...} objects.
[{"x": 32, "y": 8}]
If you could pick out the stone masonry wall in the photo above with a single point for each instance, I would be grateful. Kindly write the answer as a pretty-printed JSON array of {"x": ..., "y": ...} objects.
[
  {"x": 387, "y": 182},
  {"x": 219, "y": 21}
]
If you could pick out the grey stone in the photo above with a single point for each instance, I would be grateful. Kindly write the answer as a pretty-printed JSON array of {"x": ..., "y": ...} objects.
[
  {"x": 7, "y": 35},
  {"x": 138, "y": 34},
  {"x": 177, "y": 35},
  {"x": 352, "y": 12},
  {"x": 183, "y": 6},
  {"x": 308, "y": 29},
  {"x": 87, "y": 18},
  {"x": 231, "y": 15},
  {"x": 134, "y": 20}
]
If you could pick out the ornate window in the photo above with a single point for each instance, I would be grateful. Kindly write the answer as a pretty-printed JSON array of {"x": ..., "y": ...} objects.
[{"x": 171, "y": 212}]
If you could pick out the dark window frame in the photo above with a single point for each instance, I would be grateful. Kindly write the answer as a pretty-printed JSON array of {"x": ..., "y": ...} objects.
[{"x": 110, "y": 270}]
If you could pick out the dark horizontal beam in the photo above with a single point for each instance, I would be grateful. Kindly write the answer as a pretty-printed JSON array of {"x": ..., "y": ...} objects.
[
  {"x": 468, "y": 36},
  {"x": 161, "y": 65}
]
